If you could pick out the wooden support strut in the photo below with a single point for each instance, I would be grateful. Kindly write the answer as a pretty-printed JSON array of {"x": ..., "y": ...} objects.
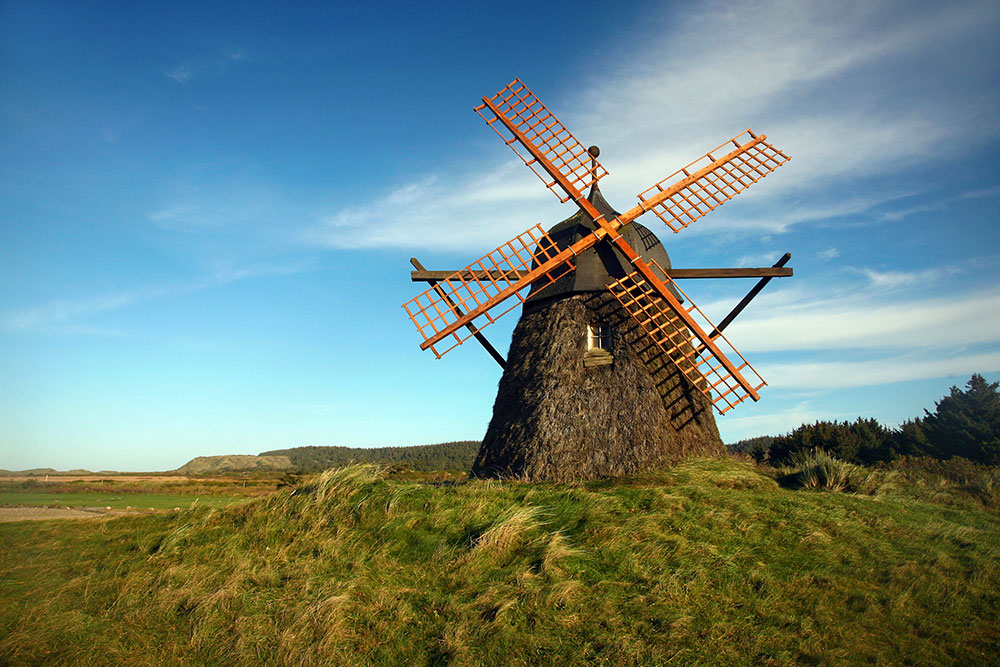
[
  {"x": 478, "y": 334},
  {"x": 749, "y": 297},
  {"x": 424, "y": 276}
]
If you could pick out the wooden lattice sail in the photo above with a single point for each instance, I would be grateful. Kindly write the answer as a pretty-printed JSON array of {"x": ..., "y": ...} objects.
[
  {"x": 705, "y": 360},
  {"x": 492, "y": 282},
  {"x": 462, "y": 303}
]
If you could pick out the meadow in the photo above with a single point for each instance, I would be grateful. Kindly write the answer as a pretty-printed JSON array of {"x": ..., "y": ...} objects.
[
  {"x": 127, "y": 491},
  {"x": 710, "y": 562}
]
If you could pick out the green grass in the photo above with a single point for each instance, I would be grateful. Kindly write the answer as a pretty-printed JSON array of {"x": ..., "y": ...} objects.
[
  {"x": 708, "y": 563},
  {"x": 113, "y": 500}
]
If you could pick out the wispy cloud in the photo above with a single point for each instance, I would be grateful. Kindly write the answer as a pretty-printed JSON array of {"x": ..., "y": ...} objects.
[
  {"x": 886, "y": 280},
  {"x": 801, "y": 71},
  {"x": 181, "y": 73},
  {"x": 479, "y": 213},
  {"x": 828, "y": 254},
  {"x": 192, "y": 68},
  {"x": 64, "y": 315},
  {"x": 738, "y": 427},
  {"x": 844, "y": 374},
  {"x": 60, "y": 311},
  {"x": 985, "y": 193},
  {"x": 810, "y": 321}
]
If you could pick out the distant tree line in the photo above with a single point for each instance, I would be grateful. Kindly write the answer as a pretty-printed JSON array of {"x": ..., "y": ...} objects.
[
  {"x": 965, "y": 423},
  {"x": 450, "y": 456}
]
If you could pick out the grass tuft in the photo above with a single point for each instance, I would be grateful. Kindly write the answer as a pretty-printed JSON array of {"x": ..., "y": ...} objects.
[{"x": 816, "y": 469}]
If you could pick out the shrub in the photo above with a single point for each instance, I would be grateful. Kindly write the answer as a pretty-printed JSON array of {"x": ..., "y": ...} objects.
[
  {"x": 864, "y": 441},
  {"x": 959, "y": 474},
  {"x": 817, "y": 469}
]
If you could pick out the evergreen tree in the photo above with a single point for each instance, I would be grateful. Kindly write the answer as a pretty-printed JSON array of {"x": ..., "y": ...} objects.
[
  {"x": 967, "y": 423},
  {"x": 911, "y": 440},
  {"x": 864, "y": 441}
]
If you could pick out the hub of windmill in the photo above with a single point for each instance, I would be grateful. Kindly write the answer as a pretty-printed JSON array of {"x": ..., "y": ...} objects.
[{"x": 612, "y": 370}]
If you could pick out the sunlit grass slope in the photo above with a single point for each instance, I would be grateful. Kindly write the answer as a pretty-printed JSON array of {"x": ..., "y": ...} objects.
[{"x": 710, "y": 562}]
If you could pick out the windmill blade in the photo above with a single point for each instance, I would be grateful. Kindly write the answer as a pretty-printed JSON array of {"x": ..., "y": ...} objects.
[
  {"x": 710, "y": 181},
  {"x": 461, "y": 305},
  {"x": 679, "y": 331},
  {"x": 546, "y": 146}
]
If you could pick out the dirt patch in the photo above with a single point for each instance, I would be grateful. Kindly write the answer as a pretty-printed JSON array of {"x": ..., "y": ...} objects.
[{"x": 8, "y": 514}]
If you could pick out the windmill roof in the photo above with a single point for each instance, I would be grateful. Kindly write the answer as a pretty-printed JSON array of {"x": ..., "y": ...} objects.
[{"x": 603, "y": 263}]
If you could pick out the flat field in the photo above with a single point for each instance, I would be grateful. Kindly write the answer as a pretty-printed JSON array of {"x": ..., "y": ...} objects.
[
  {"x": 710, "y": 562},
  {"x": 64, "y": 494},
  {"x": 112, "y": 500}
]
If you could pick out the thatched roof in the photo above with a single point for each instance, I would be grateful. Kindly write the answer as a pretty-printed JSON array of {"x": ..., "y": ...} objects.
[{"x": 603, "y": 263}]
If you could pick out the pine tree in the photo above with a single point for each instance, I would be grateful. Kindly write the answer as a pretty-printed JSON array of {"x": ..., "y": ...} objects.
[{"x": 967, "y": 423}]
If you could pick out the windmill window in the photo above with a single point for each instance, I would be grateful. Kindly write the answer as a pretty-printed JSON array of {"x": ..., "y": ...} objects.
[
  {"x": 597, "y": 337},
  {"x": 598, "y": 344}
]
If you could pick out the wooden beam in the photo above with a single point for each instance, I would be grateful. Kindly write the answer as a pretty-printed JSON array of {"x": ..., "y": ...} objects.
[
  {"x": 762, "y": 272},
  {"x": 479, "y": 336},
  {"x": 749, "y": 297}
]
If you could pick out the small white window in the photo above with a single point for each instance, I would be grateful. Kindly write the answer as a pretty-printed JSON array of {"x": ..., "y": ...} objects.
[{"x": 597, "y": 337}]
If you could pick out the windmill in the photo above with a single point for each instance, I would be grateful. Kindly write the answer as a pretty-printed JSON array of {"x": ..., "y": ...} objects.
[{"x": 652, "y": 365}]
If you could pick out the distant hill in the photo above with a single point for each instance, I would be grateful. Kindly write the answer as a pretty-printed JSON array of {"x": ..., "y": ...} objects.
[
  {"x": 234, "y": 462},
  {"x": 455, "y": 456},
  {"x": 44, "y": 471}
]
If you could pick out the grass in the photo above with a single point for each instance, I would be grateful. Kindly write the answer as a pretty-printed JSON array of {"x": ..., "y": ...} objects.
[
  {"x": 711, "y": 562},
  {"x": 233, "y": 485},
  {"x": 113, "y": 500}
]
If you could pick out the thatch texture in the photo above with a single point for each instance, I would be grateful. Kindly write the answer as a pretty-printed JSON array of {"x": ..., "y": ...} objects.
[{"x": 557, "y": 419}]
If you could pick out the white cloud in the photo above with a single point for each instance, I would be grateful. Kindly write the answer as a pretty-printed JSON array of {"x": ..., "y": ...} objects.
[
  {"x": 985, "y": 193},
  {"x": 800, "y": 70},
  {"x": 62, "y": 310},
  {"x": 200, "y": 66},
  {"x": 481, "y": 212},
  {"x": 180, "y": 73},
  {"x": 797, "y": 67},
  {"x": 758, "y": 259},
  {"x": 828, "y": 254},
  {"x": 857, "y": 322},
  {"x": 61, "y": 315},
  {"x": 738, "y": 428},
  {"x": 843, "y": 374},
  {"x": 885, "y": 280}
]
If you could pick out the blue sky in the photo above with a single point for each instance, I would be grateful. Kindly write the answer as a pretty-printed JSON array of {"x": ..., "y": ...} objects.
[{"x": 206, "y": 212}]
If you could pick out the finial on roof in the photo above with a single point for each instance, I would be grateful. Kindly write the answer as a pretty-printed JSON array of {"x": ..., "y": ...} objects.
[{"x": 594, "y": 151}]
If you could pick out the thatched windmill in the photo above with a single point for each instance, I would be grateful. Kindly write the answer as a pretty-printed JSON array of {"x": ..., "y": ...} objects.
[{"x": 611, "y": 370}]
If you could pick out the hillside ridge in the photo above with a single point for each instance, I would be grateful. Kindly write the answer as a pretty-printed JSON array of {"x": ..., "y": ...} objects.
[
  {"x": 234, "y": 462},
  {"x": 447, "y": 456}
]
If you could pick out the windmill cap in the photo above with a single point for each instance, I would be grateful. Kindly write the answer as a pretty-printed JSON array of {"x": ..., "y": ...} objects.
[{"x": 603, "y": 263}]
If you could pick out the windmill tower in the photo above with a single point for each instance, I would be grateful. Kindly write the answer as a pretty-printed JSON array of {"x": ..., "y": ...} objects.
[{"x": 612, "y": 370}]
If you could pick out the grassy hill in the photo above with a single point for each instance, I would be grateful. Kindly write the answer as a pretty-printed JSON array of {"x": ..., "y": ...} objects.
[
  {"x": 710, "y": 562},
  {"x": 446, "y": 456},
  {"x": 202, "y": 465},
  {"x": 450, "y": 456}
]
